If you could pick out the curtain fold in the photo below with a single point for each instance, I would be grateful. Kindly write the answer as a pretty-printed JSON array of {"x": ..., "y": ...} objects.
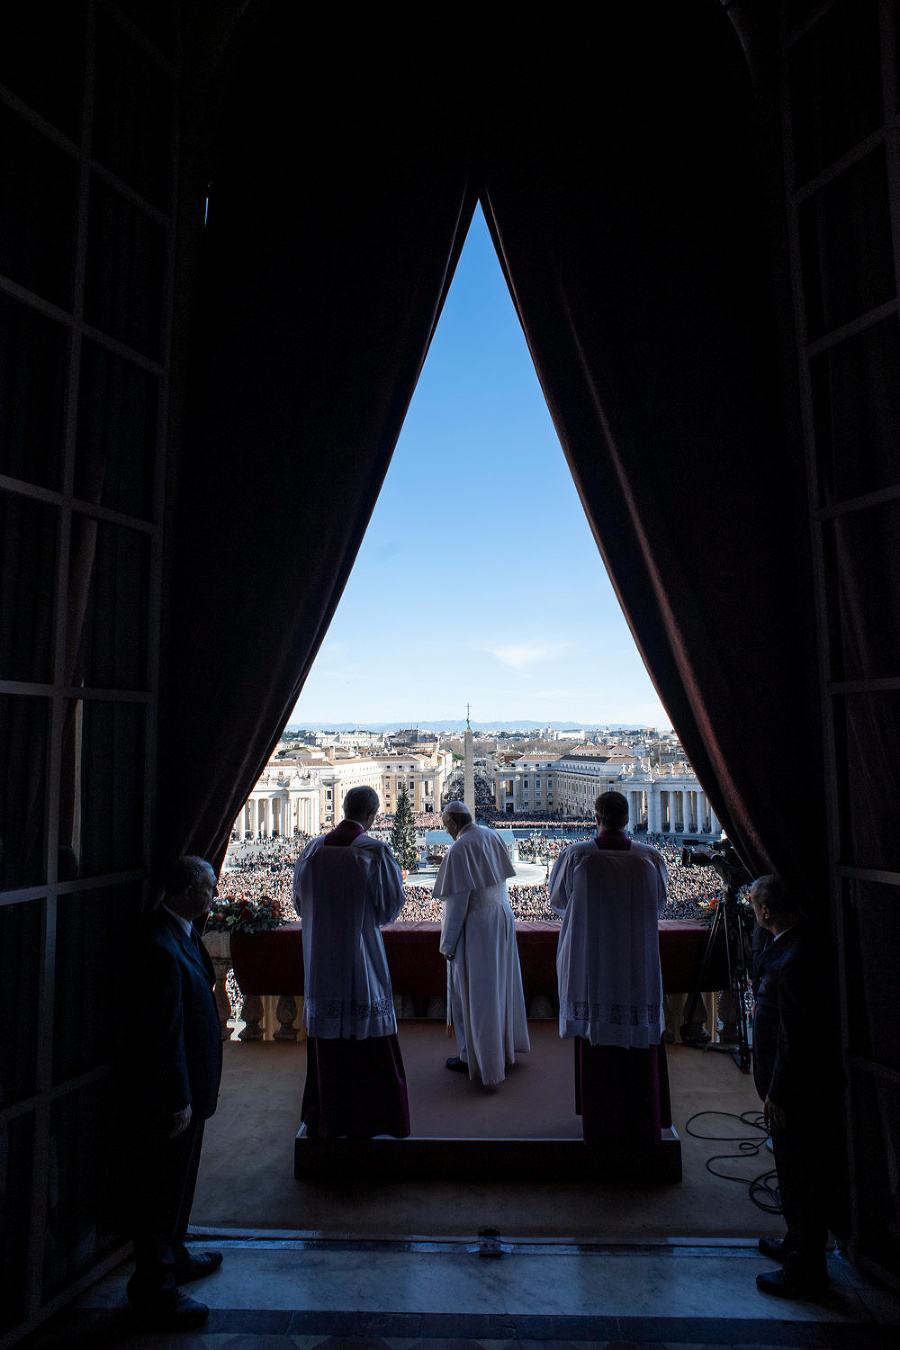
[
  {"x": 610, "y": 148},
  {"x": 335, "y": 222},
  {"x": 623, "y": 204}
]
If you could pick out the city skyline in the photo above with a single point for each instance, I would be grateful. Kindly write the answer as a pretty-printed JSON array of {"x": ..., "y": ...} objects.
[
  {"x": 453, "y": 725},
  {"x": 478, "y": 580}
]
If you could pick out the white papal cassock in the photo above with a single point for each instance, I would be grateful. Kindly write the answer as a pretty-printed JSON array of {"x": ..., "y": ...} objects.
[{"x": 478, "y": 931}]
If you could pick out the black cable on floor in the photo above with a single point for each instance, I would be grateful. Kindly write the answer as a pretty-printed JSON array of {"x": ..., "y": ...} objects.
[{"x": 763, "y": 1190}]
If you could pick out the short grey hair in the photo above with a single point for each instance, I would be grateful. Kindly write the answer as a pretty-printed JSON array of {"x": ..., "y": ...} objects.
[
  {"x": 774, "y": 892},
  {"x": 458, "y": 810},
  {"x": 184, "y": 873},
  {"x": 360, "y": 803}
]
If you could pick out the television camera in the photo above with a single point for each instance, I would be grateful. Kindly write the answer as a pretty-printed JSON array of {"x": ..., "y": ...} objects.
[{"x": 736, "y": 923}]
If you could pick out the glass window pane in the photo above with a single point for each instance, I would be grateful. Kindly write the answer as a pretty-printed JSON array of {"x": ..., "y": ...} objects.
[
  {"x": 117, "y": 417},
  {"x": 125, "y": 271},
  {"x": 37, "y": 211},
  {"x": 799, "y": 10},
  {"x": 856, "y": 404},
  {"x": 34, "y": 359},
  {"x": 133, "y": 118},
  {"x": 876, "y": 1126},
  {"x": 869, "y": 779},
  {"x": 24, "y": 724},
  {"x": 28, "y": 543},
  {"x": 872, "y": 931},
  {"x": 836, "y": 89},
  {"x": 84, "y": 1152},
  {"x": 21, "y": 939},
  {"x": 864, "y": 592},
  {"x": 107, "y": 627},
  {"x": 846, "y": 246},
  {"x": 159, "y": 21},
  {"x": 16, "y": 1162},
  {"x": 41, "y": 58},
  {"x": 102, "y": 786},
  {"x": 92, "y": 931}
]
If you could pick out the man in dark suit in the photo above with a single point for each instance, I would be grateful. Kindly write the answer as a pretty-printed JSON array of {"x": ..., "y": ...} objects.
[
  {"x": 175, "y": 1064},
  {"x": 797, "y": 1075}
]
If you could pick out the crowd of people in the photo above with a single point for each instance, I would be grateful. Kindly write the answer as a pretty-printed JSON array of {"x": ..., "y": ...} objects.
[
  {"x": 545, "y": 849},
  {"x": 258, "y": 867}
]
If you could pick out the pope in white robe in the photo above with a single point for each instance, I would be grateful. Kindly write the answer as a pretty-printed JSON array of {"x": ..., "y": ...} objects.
[
  {"x": 609, "y": 892},
  {"x": 478, "y": 938}
]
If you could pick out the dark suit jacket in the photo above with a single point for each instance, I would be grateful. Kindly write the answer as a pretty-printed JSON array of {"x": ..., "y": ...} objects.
[
  {"x": 176, "y": 1058},
  {"x": 794, "y": 1058}
]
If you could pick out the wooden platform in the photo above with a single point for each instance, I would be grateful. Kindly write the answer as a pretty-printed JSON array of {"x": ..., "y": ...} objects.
[{"x": 524, "y": 1128}]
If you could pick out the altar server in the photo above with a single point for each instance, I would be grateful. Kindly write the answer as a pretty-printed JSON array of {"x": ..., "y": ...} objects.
[
  {"x": 609, "y": 892},
  {"x": 478, "y": 938},
  {"x": 346, "y": 884}
]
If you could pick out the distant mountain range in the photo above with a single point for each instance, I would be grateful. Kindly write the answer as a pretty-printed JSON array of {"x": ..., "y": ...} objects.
[{"x": 459, "y": 725}]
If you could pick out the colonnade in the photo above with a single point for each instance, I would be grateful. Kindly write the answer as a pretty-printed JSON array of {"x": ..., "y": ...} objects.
[
  {"x": 279, "y": 814},
  {"x": 671, "y": 810}
]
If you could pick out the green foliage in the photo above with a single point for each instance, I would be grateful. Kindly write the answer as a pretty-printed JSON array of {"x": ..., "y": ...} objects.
[{"x": 403, "y": 833}]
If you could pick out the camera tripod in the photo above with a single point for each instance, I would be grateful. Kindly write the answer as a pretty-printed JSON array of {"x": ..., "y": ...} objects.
[{"x": 729, "y": 921}]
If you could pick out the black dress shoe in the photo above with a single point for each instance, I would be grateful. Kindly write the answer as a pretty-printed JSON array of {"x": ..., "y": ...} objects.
[
  {"x": 457, "y": 1065},
  {"x": 196, "y": 1267},
  {"x": 792, "y": 1285},
  {"x": 171, "y": 1312},
  {"x": 774, "y": 1248}
]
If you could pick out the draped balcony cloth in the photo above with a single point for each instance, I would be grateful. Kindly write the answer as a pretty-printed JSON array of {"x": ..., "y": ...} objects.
[
  {"x": 272, "y": 963},
  {"x": 610, "y": 147}
]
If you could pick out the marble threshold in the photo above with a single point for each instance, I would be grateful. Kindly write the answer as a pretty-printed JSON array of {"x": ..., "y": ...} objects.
[{"x": 479, "y": 1291}]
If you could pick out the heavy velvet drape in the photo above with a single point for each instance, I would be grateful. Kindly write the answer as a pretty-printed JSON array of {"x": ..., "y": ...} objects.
[
  {"x": 334, "y": 225},
  {"x": 610, "y": 149},
  {"x": 626, "y": 211}
]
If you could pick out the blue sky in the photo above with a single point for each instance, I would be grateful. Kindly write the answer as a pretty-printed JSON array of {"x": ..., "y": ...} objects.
[{"x": 478, "y": 580}]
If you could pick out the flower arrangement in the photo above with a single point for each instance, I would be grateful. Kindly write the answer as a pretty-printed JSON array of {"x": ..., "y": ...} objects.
[
  {"x": 233, "y": 915},
  {"x": 706, "y": 913}
]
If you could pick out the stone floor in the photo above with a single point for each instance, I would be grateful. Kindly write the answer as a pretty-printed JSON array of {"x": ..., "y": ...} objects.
[
  {"x": 280, "y": 1294},
  {"x": 399, "y": 1267}
]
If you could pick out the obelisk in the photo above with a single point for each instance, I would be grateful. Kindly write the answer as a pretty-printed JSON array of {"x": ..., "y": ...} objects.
[{"x": 469, "y": 768}]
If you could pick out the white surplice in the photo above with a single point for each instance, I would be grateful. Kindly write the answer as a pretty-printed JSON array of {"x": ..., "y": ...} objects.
[
  {"x": 607, "y": 961},
  {"x": 479, "y": 932},
  {"x": 342, "y": 896}
]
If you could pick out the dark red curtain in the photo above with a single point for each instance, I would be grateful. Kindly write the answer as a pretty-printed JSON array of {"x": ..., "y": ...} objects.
[
  {"x": 335, "y": 221},
  {"x": 625, "y": 205},
  {"x": 610, "y": 146}
]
